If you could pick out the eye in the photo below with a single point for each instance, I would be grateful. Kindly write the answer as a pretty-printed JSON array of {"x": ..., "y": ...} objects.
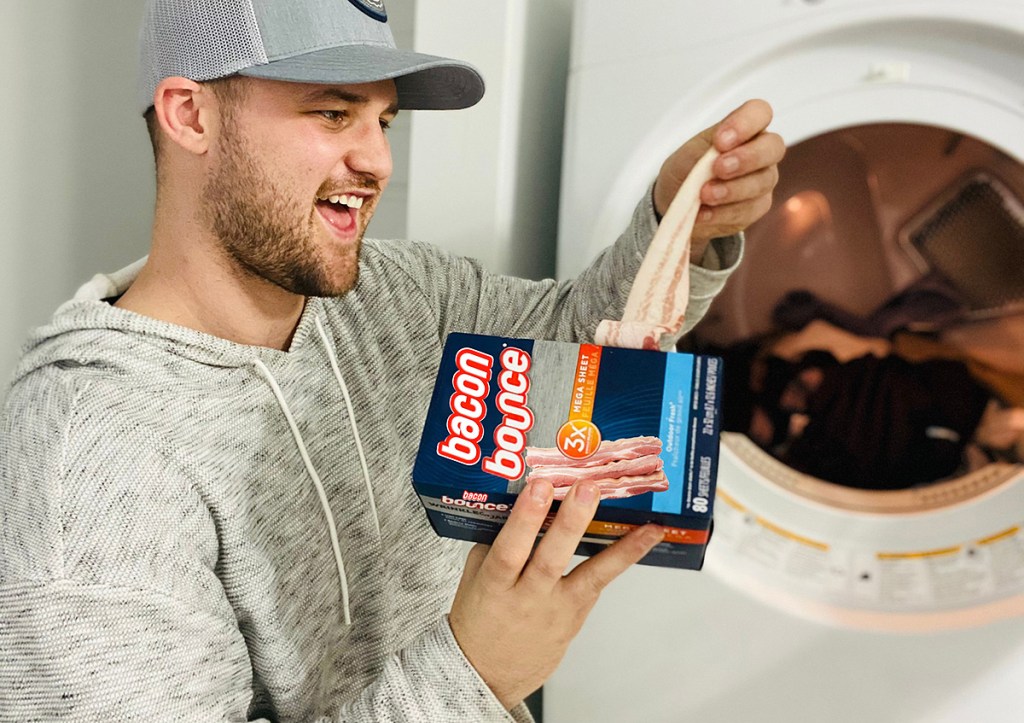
[
  {"x": 385, "y": 124},
  {"x": 332, "y": 116}
]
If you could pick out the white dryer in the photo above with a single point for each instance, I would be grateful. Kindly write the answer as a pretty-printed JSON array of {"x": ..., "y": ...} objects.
[{"x": 817, "y": 602}]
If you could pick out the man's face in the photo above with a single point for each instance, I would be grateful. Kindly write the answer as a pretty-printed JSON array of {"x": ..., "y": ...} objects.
[{"x": 295, "y": 176}]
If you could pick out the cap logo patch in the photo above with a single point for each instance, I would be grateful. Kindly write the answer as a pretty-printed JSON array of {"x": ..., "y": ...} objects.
[{"x": 374, "y": 8}]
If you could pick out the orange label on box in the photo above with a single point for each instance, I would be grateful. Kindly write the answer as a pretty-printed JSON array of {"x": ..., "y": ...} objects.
[
  {"x": 675, "y": 535},
  {"x": 672, "y": 534},
  {"x": 584, "y": 387},
  {"x": 579, "y": 437}
]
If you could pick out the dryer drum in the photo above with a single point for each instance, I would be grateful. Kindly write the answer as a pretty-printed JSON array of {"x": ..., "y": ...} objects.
[{"x": 877, "y": 313}]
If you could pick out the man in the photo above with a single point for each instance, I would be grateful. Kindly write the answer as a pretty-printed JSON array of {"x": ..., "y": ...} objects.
[{"x": 207, "y": 512}]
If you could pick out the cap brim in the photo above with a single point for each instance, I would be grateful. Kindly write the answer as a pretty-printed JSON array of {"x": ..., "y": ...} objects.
[{"x": 424, "y": 82}]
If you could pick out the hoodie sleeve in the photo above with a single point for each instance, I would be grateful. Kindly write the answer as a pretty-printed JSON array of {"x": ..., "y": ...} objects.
[
  {"x": 469, "y": 299},
  {"x": 76, "y": 651},
  {"x": 433, "y": 678},
  {"x": 111, "y": 607}
]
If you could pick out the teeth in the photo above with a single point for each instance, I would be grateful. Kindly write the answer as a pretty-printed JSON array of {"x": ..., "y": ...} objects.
[{"x": 353, "y": 202}]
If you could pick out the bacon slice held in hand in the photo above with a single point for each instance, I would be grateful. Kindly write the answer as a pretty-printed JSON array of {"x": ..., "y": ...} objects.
[{"x": 656, "y": 307}]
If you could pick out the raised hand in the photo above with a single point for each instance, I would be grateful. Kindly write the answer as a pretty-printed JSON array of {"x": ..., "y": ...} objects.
[{"x": 745, "y": 173}]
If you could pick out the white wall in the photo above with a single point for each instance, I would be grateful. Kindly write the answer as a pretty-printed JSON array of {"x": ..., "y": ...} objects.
[
  {"x": 484, "y": 182},
  {"x": 75, "y": 194},
  {"x": 10, "y": 223},
  {"x": 390, "y": 219}
]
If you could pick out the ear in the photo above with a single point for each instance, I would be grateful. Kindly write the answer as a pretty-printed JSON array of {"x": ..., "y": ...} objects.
[{"x": 185, "y": 111}]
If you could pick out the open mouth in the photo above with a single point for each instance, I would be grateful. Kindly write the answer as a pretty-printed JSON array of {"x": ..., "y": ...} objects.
[{"x": 340, "y": 211}]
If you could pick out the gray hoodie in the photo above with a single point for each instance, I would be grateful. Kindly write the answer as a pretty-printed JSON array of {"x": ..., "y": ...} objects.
[{"x": 193, "y": 529}]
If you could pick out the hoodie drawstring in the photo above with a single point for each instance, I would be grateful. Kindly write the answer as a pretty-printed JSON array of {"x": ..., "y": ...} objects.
[
  {"x": 311, "y": 470},
  {"x": 329, "y": 347},
  {"x": 328, "y": 515}
]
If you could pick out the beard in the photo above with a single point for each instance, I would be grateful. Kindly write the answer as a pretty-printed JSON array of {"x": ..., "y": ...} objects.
[{"x": 264, "y": 230}]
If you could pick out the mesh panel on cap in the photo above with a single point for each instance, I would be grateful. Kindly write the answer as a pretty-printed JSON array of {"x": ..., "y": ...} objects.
[{"x": 197, "y": 39}]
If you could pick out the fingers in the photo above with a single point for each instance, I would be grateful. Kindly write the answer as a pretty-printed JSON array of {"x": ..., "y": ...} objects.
[
  {"x": 719, "y": 221},
  {"x": 592, "y": 576},
  {"x": 763, "y": 152},
  {"x": 743, "y": 124},
  {"x": 742, "y": 192},
  {"x": 748, "y": 154},
  {"x": 759, "y": 183},
  {"x": 508, "y": 560},
  {"x": 555, "y": 550},
  {"x": 676, "y": 168},
  {"x": 512, "y": 547}
]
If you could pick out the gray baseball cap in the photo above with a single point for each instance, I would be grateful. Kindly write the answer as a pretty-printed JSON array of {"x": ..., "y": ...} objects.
[{"x": 338, "y": 42}]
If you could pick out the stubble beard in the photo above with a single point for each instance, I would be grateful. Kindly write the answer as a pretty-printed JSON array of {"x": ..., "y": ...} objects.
[{"x": 266, "y": 235}]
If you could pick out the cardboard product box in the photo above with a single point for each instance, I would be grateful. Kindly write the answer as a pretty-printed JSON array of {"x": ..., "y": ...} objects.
[{"x": 643, "y": 424}]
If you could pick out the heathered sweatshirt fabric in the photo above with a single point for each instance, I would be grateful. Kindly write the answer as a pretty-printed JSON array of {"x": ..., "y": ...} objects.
[{"x": 166, "y": 515}]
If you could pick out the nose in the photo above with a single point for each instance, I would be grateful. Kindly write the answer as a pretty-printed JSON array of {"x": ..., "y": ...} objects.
[{"x": 370, "y": 152}]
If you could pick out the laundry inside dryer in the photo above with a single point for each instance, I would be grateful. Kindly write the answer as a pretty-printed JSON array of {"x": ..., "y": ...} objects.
[{"x": 874, "y": 336}]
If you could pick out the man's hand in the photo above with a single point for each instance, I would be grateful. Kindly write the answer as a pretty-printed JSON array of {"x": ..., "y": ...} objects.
[
  {"x": 745, "y": 174},
  {"x": 514, "y": 615}
]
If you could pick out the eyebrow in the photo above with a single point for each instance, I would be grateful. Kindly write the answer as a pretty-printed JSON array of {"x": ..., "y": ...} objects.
[{"x": 346, "y": 96}]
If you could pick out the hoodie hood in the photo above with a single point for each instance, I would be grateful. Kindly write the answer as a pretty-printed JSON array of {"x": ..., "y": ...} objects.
[{"x": 78, "y": 335}]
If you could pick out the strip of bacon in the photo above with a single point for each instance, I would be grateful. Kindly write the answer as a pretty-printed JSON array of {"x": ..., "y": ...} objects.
[
  {"x": 617, "y": 489},
  {"x": 608, "y": 451},
  {"x": 656, "y": 307},
  {"x": 562, "y": 476}
]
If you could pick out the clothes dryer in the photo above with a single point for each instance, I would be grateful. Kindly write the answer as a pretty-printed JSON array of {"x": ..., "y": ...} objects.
[{"x": 818, "y": 602}]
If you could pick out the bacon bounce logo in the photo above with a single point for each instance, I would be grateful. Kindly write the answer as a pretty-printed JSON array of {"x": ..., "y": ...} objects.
[{"x": 471, "y": 387}]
